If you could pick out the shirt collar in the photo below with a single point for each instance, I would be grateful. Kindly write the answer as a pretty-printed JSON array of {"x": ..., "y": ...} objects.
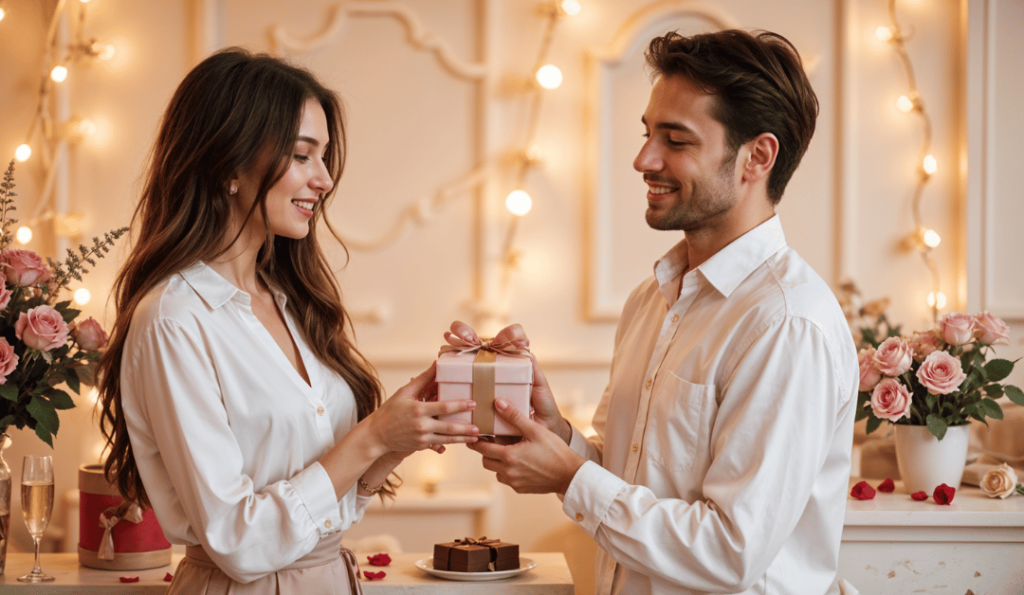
[
  {"x": 727, "y": 268},
  {"x": 217, "y": 291}
]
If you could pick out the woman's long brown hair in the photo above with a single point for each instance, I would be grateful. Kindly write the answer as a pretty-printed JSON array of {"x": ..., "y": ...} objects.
[{"x": 228, "y": 114}]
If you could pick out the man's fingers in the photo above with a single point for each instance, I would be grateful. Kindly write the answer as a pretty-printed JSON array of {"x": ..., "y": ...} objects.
[
  {"x": 514, "y": 417},
  {"x": 489, "y": 450}
]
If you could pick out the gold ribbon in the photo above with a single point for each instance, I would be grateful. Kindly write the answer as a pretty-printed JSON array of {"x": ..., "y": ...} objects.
[
  {"x": 487, "y": 351},
  {"x": 133, "y": 515}
]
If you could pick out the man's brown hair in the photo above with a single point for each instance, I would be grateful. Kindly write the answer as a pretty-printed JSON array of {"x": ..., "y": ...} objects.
[{"x": 759, "y": 86}]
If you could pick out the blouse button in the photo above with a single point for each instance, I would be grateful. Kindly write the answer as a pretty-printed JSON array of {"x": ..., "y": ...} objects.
[
  {"x": 675, "y": 318},
  {"x": 649, "y": 383},
  {"x": 579, "y": 517},
  {"x": 319, "y": 410},
  {"x": 636, "y": 447},
  {"x": 327, "y": 523}
]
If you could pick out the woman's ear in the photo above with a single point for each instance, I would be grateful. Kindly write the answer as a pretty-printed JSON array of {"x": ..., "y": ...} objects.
[
  {"x": 233, "y": 186},
  {"x": 763, "y": 150}
]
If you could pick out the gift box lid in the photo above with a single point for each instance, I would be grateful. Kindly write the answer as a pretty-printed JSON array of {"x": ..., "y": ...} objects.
[{"x": 458, "y": 367}]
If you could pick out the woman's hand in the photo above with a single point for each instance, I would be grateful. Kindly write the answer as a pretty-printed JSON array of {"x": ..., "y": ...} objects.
[{"x": 406, "y": 422}]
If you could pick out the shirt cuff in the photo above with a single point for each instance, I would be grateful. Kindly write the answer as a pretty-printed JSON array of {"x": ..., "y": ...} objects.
[
  {"x": 579, "y": 443},
  {"x": 590, "y": 495},
  {"x": 316, "y": 491}
]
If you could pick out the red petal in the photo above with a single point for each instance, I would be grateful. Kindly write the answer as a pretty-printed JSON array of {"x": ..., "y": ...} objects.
[
  {"x": 168, "y": 577},
  {"x": 887, "y": 485},
  {"x": 379, "y": 559},
  {"x": 129, "y": 579},
  {"x": 919, "y": 496},
  {"x": 373, "y": 576},
  {"x": 862, "y": 491},
  {"x": 944, "y": 494}
]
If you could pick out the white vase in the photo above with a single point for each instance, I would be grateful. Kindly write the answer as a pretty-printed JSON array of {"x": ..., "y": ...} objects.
[{"x": 926, "y": 462}]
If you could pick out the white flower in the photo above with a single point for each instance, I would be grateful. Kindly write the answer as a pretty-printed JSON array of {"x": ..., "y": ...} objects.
[{"x": 999, "y": 482}]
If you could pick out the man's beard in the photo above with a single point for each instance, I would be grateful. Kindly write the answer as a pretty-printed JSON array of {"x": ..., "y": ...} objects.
[{"x": 711, "y": 198}]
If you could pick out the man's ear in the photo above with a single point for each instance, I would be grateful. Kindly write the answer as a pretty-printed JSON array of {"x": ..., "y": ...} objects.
[{"x": 760, "y": 156}]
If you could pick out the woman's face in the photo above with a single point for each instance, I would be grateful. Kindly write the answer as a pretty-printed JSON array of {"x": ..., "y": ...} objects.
[{"x": 291, "y": 200}]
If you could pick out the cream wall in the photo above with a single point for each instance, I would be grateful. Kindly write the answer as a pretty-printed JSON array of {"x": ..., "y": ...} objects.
[{"x": 416, "y": 124}]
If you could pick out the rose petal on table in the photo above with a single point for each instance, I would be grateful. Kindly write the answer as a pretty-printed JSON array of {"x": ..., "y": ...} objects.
[
  {"x": 887, "y": 485},
  {"x": 374, "y": 576},
  {"x": 944, "y": 494},
  {"x": 168, "y": 577},
  {"x": 919, "y": 496},
  {"x": 379, "y": 560},
  {"x": 862, "y": 491},
  {"x": 129, "y": 579}
]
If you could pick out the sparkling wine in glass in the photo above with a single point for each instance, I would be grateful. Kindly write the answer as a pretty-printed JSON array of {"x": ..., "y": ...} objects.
[{"x": 36, "y": 505}]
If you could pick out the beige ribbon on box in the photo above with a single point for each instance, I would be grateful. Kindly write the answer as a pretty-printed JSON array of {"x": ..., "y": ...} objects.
[
  {"x": 132, "y": 515},
  {"x": 483, "y": 372}
]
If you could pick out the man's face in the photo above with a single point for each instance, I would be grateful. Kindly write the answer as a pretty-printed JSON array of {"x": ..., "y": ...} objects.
[{"x": 686, "y": 162}]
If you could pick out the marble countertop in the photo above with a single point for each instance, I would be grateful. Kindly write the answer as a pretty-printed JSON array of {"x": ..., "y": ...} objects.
[
  {"x": 970, "y": 508},
  {"x": 550, "y": 577}
]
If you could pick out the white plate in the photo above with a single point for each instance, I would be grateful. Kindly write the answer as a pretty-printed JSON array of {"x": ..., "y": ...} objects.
[{"x": 427, "y": 565}]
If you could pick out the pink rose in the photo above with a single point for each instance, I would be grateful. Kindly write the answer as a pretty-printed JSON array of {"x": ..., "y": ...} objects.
[
  {"x": 923, "y": 344},
  {"x": 5, "y": 294},
  {"x": 90, "y": 335},
  {"x": 869, "y": 374},
  {"x": 8, "y": 360},
  {"x": 41, "y": 328},
  {"x": 893, "y": 356},
  {"x": 957, "y": 328},
  {"x": 24, "y": 268},
  {"x": 992, "y": 330},
  {"x": 941, "y": 373},
  {"x": 890, "y": 400}
]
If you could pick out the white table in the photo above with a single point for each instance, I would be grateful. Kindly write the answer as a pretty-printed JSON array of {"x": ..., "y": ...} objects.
[
  {"x": 893, "y": 544},
  {"x": 550, "y": 577}
]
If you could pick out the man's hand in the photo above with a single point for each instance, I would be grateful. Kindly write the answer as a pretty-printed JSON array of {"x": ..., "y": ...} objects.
[
  {"x": 545, "y": 410},
  {"x": 539, "y": 464}
]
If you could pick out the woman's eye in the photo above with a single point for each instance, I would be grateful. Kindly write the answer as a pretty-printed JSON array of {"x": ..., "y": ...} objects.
[{"x": 302, "y": 158}]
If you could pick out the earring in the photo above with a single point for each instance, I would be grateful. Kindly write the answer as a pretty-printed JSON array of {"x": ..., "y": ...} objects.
[{"x": 233, "y": 189}]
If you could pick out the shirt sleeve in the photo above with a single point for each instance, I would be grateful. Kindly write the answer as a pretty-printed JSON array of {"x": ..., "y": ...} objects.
[
  {"x": 181, "y": 432},
  {"x": 779, "y": 408}
]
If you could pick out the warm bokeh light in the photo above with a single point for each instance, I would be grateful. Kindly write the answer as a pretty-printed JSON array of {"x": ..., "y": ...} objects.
[
  {"x": 571, "y": 7},
  {"x": 22, "y": 153},
  {"x": 105, "y": 52},
  {"x": 82, "y": 296},
  {"x": 59, "y": 73},
  {"x": 936, "y": 300},
  {"x": 24, "y": 235},
  {"x": 905, "y": 104},
  {"x": 519, "y": 202},
  {"x": 931, "y": 238},
  {"x": 2, "y": 14},
  {"x": 884, "y": 33},
  {"x": 929, "y": 165},
  {"x": 549, "y": 76},
  {"x": 83, "y": 128}
]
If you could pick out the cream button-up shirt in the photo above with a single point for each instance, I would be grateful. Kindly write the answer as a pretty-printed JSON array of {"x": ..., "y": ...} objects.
[
  {"x": 723, "y": 443},
  {"x": 225, "y": 431}
]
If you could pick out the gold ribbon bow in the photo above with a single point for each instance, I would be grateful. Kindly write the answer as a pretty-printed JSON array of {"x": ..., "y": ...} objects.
[{"x": 133, "y": 515}]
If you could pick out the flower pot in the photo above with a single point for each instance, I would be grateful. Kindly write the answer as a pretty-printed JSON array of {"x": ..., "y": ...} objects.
[{"x": 926, "y": 462}]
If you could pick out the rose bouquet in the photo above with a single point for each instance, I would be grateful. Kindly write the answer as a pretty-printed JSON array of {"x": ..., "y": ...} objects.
[
  {"x": 42, "y": 346},
  {"x": 938, "y": 378}
]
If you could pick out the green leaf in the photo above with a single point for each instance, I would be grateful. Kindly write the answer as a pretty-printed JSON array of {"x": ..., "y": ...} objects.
[
  {"x": 998, "y": 369},
  {"x": 6, "y": 421},
  {"x": 9, "y": 392},
  {"x": 70, "y": 315},
  {"x": 71, "y": 377},
  {"x": 872, "y": 425},
  {"x": 929, "y": 401},
  {"x": 44, "y": 434},
  {"x": 1014, "y": 394},
  {"x": 44, "y": 413},
  {"x": 991, "y": 408},
  {"x": 60, "y": 399},
  {"x": 994, "y": 390},
  {"x": 936, "y": 425}
]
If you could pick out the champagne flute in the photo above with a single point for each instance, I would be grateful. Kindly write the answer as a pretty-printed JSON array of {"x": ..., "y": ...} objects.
[{"x": 36, "y": 505}]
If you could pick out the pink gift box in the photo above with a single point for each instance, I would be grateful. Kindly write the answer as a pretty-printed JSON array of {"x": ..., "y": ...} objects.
[{"x": 513, "y": 380}]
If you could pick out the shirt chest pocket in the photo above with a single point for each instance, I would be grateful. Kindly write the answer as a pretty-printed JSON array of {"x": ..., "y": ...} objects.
[{"x": 678, "y": 422}]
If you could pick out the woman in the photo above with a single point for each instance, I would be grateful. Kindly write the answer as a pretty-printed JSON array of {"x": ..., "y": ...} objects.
[{"x": 234, "y": 403}]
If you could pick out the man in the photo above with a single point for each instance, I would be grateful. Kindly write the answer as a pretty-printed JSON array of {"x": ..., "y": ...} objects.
[{"x": 723, "y": 440}]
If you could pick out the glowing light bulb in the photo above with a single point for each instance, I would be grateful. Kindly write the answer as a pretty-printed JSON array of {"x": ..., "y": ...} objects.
[
  {"x": 23, "y": 152},
  {"x": 883, "y": 33},
  {"x": 518, "y": 202},
  {"x": 549, "y": 76},
  {"x": 59, "y": 73},
  {"x": 24, "y": 235},
  {"x": 905, "y": 104},
  {"x": 936, "y": 300},
  {"x": 2, "y": 14},
  {"x": 929, "y": 165},
  {"x": 105, "y": 52},
  {"x": 82, "y": 296},
  {"x": 84, "y": 1},
  {"x": 571, "y": 7},
  {"x": 84, "y": 127},
  {"x": 931, "y": 238}
]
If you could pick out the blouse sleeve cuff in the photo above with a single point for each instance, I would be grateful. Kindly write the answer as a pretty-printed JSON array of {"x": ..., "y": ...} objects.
[
  {"x": 590, "y": 495},
  {"x": 316, "y": 491}
]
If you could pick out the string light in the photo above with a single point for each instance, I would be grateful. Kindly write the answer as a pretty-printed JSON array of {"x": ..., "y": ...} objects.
[
  {"x": 923, "y": 238},
  {"x": 82, "y": 296},
  {"x": 23, "y": 152},
  {"x": 2, "y": 13},
  {"x": 59, "y": 73},
  {"x": 24, "y": 235},
  {"x": 571, "y": 7},
  {"x": 518, "y": 202},
  {"x": 549, "y": 76}
]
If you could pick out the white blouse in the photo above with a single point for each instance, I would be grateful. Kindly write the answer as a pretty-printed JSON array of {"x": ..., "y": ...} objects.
[
  {"x": 226, "y": 433},
  {"x": 722, "y": 457}
]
